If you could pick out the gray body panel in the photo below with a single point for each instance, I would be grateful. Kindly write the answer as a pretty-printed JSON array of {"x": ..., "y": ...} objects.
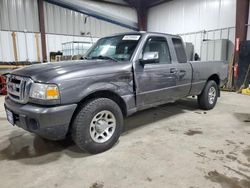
[
  {"x": 139, "y": 86},
  {"x": 78, "y": 79},
  {"x": 51, "y": 122},
  {"x": 203, "y": 70}
]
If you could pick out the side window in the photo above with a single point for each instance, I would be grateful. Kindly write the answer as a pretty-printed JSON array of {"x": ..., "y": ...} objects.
[
  {"x": 160, "y": 45},
  {"x": 180, "y": 51}
]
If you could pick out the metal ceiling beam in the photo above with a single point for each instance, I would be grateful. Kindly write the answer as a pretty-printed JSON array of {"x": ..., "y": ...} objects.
[
  {"x": 142, "y": 7},
  {"x": 85, "y": 8},
  {"x": 152, "y": 3},
  {"x": 123, "y": 3},
  {"x": 146, "y": 3},
  {"x": 141, "y": 13}
]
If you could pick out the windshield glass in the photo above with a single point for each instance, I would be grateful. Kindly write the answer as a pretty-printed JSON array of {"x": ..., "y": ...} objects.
[{"x": 120, "y": 48}]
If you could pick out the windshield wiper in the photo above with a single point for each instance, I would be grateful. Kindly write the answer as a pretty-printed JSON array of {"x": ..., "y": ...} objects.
[
  {"x": 84, "y": 58},
  {"x": 104, "y": 57}
]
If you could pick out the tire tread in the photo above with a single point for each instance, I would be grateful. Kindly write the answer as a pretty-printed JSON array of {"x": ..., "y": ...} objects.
[
  {"x": 84, "y": 111},
  {"x": 203, "y": 97}
]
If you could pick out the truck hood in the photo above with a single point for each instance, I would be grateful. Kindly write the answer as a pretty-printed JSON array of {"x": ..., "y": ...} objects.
[{"x": 49, "y": 72}]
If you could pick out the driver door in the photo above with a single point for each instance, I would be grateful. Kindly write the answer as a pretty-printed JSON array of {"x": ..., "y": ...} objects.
[{"x": 156, "y": 81}]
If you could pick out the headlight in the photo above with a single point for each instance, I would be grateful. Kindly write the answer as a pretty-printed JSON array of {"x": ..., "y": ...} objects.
[{"x": 44, "y": 91}]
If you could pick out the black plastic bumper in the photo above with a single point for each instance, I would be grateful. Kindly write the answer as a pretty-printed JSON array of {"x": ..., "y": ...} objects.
[{"x": 49, "y": 122}]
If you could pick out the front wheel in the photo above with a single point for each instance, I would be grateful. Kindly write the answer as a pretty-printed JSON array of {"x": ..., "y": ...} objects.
[
  {"x": 208, "y": 98},
  {"x": 98, "y": 125}
]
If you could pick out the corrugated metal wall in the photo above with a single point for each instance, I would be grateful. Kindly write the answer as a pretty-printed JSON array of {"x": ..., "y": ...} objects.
[
  {"x": 64, "y": 21},
  {"x": 70, "y": 25},
  {"x": 182, "y": 16},
  {"x": 190, "y": 18},
  {"x": 19, "y": 15},
  {"x": 62, "y": 25},
  {"x": 125, "y": 13},
  {"x": 54, "y": 42},
  {"x": 27, "y": 46}
]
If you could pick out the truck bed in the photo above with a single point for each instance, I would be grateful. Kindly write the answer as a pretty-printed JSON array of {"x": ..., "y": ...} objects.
[{"x": 202, "y": 70}]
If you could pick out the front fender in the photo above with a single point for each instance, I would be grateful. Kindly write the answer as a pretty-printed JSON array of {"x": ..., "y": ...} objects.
[
  {"x": 102, "y": 86},
  {"x": 73, "y": 91}
]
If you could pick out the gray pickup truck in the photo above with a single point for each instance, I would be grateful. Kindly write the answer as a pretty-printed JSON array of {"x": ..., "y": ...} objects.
[{"x": 120, "y": 75}]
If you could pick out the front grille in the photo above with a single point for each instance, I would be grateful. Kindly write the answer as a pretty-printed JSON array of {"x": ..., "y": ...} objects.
[{"x": 18, "y": 88}]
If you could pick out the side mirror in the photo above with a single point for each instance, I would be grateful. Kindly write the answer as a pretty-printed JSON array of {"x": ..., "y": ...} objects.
[{"x": 150, "y": 57}]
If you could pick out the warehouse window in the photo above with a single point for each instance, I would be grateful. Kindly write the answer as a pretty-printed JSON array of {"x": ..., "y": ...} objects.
[
  {"x": 180, "y": 51},
  {"x": 160, "y": 45}
]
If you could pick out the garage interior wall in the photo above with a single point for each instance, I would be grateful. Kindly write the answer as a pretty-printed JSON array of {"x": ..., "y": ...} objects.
[
  {"x": 191, "y": 18},
  {"x": 61, "y": 25},
  {"x": 64, "y": 21},
  {"x": 64, "y": 25}
]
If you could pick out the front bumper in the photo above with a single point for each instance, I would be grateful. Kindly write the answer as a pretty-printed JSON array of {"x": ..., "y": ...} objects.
[{"x": 49, "y": 122}]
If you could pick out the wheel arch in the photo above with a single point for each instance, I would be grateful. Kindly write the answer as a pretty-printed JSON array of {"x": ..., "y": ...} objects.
[
  {"x": 216, "y": 78},
  {"x": 105, "y": 94}
]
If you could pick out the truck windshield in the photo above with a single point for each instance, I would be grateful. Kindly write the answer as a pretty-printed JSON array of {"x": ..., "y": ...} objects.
[{"x": 117, "y": 48}]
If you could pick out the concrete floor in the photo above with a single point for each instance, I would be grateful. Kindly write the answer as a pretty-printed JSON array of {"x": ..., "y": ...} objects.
[{"x": 175, "y": 145}]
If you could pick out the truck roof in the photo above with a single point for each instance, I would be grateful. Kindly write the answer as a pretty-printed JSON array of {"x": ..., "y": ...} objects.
[{"x": 144, "y": 33}]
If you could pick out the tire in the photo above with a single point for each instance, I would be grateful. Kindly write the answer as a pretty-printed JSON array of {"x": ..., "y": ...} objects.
[
  {"x": 207, "y": 100},
  {"x": 99, "y": 116}
]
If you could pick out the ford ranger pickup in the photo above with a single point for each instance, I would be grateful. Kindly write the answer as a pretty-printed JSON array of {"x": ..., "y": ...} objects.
[{"x": 119, "y": 76}]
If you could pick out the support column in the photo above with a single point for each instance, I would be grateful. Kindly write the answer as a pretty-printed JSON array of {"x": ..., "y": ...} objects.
[
  {"x": 42, "y": 29},
  {"x": 13, "y": 34},
  {"x": 242, "y": 13},
  {"x": 142, "y": 14}
]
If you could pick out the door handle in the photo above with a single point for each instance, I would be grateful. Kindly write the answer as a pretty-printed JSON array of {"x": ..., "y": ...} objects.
[
  {"x": 173, "y": 71},
  {"x": 182, "y": 73}
]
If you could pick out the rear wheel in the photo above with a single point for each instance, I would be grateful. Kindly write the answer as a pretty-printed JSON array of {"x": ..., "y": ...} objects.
[
  {"x": 208, "y": 98},
  {"x": 98, "y": 125}
]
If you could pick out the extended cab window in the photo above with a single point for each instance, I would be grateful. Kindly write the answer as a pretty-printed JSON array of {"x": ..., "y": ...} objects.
[
  {"x": 179, "y": 50},
  {"x": 160, "y": 45}
]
